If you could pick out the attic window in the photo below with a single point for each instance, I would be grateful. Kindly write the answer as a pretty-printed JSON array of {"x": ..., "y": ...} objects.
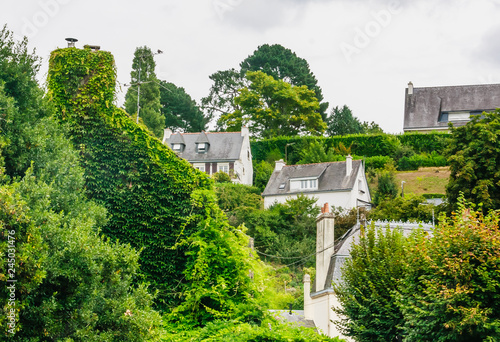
[
  {"x": 282, "y": 186},
  {"x": 202, "y": 147},
  {"x": 176, "y": 147}
]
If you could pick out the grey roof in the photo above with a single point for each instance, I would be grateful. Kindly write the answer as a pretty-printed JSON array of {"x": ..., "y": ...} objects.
[
  {"x": 202, "y": 138},
  {"x": 423, "y": 107},
  {"x": 331, "y": 177},
  {"x": 177, "y": 139},
  {"x": 223, "y": 146}
]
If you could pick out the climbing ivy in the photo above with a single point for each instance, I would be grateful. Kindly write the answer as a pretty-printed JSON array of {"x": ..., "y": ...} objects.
[{"x": 143, "y": 184}]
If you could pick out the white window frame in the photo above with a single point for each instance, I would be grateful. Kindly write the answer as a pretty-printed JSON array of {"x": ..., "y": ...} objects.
[
  {"x": 202, "y": 147},
  {"x": 306, "y": 183},
  {"x": 224, "y": 167},
  {"x": 176, "y": 147},
  {"x": 199, "y": 166}
]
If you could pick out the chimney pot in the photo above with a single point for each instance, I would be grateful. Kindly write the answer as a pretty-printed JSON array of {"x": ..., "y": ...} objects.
[{"x": 410, "y": 88}]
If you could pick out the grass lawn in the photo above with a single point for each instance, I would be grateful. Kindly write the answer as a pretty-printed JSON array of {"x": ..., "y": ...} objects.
[{"x": 427, "y": 180}]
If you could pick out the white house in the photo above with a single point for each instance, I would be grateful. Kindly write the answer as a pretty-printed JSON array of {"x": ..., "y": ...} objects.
[
  {"x": 211, "y": 152},
  {"x": 319, "y": 298},
  {"x": 432, "y": 108},
  {"x": 341, "y": 184}
]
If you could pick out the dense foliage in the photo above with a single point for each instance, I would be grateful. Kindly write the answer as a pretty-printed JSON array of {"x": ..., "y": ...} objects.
[
  {"x": 451, "y": 289},
  {"x": 180, "y": 110},
  {"x": 438, "y": 286},
  {"x": 362, "y": 145},
  {"x": 370, "y": 277},
  {"x": 474, "y": 156},
  {"x": 283, "y": 64},
  {"x": 144, "y": 186},
  {"x": 72, "y": 283},
  {"x": 272, "y": 107}
]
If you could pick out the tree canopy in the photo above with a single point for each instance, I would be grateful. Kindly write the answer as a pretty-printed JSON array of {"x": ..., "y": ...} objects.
[
  {"x": 72, "y": 283},
  {"x": 272, "y": 107},
  {"x": 180, "y": 110},
  {"x": 283, "y": 64},
  {"x": 474, "y": 155},
  {"x": 143, "y": 76},
  {"x": 220, "y": 100}
]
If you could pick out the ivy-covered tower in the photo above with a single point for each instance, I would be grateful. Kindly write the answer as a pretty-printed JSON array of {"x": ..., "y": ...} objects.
[{"x": 145, "y": 187}]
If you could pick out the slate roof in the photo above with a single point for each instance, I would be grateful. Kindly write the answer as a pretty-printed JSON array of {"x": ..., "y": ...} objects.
[
  {"x": 423, "y": 107},
  {"x": 222, "y": 146},
  {"x": 331, "y": 177}
]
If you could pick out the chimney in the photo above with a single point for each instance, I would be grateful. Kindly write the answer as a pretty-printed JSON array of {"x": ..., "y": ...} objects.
[
  {"x": 279, "y": 165},
  {"x": 348, "y": 165},
  {"x": 410, "y": 88},
  {"x": 308, "y": 308},
  {"x": 324, "y": 248},
  {"x": 244, "y": 131},
  {"x": 71, "y": 42},
  {"x": 167, "y": 133}
]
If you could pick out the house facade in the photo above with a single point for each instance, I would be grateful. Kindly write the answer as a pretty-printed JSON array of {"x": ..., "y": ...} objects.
[
  {"x": 341, "y": 184},
  {"x": 319, "y": 297},
  {"x": 211, "y": 152},
  {"x": 430, "y": 109}
]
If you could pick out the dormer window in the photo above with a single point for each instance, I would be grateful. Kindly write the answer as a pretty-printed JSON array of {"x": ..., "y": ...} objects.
[
  {"x": 202, "y": 147},
  {"x": 300, "y": 184},
  {"x": 177, "y": 147}
]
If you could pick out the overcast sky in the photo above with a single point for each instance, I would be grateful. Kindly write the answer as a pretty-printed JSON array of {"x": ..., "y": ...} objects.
[{"x": 362, "y": 52}]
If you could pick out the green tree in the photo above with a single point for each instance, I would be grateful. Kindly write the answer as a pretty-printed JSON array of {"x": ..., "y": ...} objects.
[
  {"x": 315, "y": 152},
  {"x": 283, "y": 64},
  {"x": 262, "y": 171},
  {"x": 180, "y": 110},
  {"x": 143, "y": 77},
  {"x": 342, "y": 122},
  {"x": 386, "y": 187},
  {"x": 474, "y": 155},
  {"x": 72, "y": 284},
  {"x": 371, "y": 128},
  {"x": 225, "y": 88},
  {"x": 369, "y": 278},
  {"x": 273, "y": 107},
  {"x": 450, "y": 291}
]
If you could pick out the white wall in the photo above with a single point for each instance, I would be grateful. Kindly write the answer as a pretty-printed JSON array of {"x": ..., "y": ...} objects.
[
  {"x": 243, "y": 167},
  {"x": 338, "y": 199}
]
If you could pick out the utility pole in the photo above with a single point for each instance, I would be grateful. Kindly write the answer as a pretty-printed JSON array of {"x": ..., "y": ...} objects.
[{"x": 139, "y": 82}]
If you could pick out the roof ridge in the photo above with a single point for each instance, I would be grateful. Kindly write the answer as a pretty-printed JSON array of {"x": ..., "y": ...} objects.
[{"x": 333, "y": 162}]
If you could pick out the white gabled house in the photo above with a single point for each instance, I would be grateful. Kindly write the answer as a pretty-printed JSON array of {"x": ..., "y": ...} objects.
[
  {"x": 341, "y": 184},
  {"x": 211, "y": 152}
]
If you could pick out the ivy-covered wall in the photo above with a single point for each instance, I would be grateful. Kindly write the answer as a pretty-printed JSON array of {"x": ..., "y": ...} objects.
[{"x": 143, "y": 184}]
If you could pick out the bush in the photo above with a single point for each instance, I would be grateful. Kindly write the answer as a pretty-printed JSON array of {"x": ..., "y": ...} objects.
[
  {"x": 421, "y": 160},
  {"x": 378, "y": 162}
]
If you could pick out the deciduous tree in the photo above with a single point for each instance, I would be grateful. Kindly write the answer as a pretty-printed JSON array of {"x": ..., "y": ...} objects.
[
  {"x": 283, "y": 64},
  {"x": 474, "y": 156},
  {"x": 273, "y": 107}
]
